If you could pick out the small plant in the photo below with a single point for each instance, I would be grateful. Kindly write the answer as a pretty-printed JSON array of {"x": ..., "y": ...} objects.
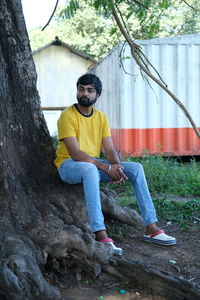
[
  {"x": 88, "y": 282},
  {"x": 55, "y": 141},
  {"x": 182, "y": 212},
  {"x": 168, "y": 176},
  {"x": 118, "y": 230}
]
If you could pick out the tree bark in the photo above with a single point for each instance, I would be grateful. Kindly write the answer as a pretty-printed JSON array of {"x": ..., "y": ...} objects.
[
  {"x": 44, "y": 228},
  {"x": 40, "y": 218}
]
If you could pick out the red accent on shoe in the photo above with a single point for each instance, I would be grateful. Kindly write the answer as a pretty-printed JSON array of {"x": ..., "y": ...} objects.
[
  {"x": 106, "y": 240},
  {"x": 157, "y": 233}
]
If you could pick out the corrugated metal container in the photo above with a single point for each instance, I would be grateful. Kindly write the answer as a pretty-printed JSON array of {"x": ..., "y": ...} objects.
[{"x": 142, "y": 116}]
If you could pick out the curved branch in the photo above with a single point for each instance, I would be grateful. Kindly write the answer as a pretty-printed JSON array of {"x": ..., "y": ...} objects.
[
  {"x": 134, "y": 51},
  {"x": 139, "y": 4},
  {"x": 122, "y": 20},
  {"x": 190, "y": 5},
  {"x": 141, "y": 55},
  {"x": 51, "y": 15}
]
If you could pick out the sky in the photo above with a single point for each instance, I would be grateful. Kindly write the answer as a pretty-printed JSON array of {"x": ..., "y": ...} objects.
[{"x": 38, "y": 12}]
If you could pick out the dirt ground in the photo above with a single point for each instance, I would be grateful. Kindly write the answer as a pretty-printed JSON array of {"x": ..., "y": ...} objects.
[{"x": 182, "y": 260}]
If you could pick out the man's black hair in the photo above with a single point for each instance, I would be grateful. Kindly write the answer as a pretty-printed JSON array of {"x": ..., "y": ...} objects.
[{"x": 90, "y": 79}]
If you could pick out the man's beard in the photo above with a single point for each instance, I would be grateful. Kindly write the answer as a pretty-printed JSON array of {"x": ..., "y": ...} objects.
[{"x": 84, "y": 101}]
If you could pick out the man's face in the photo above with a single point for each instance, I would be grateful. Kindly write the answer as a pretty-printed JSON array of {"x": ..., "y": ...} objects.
[{"x": 86, "y": 95}]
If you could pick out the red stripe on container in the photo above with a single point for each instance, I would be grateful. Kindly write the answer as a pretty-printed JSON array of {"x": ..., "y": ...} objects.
[{"x": 158, "y": 141}]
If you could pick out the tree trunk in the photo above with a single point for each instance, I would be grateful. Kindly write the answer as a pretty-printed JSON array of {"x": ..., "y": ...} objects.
[
  {"x": 43, "y": 222},
  {"x": 38, "y": 216}
]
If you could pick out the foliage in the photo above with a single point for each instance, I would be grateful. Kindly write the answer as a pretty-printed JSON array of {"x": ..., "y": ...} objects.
[
  {"x": 86, "y": 31},
  {"x": 151, "y": 16},
  {"x": 180, "y": 19},
  {"x": 182, "y": 212},
  {"x": 55, "y": 141},
  {"x": 89, "y": 27},
  {"x": 170, "y": 177},
  {"x": 175, "y": 188},
  {"x": 167, "y": 175}
]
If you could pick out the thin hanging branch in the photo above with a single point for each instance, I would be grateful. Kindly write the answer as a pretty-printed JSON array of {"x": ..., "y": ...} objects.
[
  {"x": 121, "y": 60},
  {"x": 191, "y": 6},
  {"x": 138, "y": 3},
  {"x": 144, "y": 77},
  {"x": 135, "y": 50},
  {"x": 124, "y": 23},
  {"x": 146, "y": 62},
  {"x": 51, "y": 15}
]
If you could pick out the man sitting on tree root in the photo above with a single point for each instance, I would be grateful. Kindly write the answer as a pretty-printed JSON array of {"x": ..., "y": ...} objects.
[{"x": 82, "y": 131}]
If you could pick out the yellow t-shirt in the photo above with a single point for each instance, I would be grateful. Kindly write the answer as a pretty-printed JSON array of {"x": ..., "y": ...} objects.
[{"x": 88, "y": 130}]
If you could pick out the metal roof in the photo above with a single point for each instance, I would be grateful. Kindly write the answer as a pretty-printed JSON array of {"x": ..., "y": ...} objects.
[{"x": 184, "y": 39}]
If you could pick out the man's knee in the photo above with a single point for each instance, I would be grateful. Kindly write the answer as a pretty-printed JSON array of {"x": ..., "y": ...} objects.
[
  {"x": 133, "y": 169},
  {"x": 138, "y": 166},
  {"x": 135, "y": 166},
  {"x": 90, "y": 168}
]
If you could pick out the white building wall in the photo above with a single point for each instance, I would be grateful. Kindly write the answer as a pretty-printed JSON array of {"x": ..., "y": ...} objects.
[{"x": 58, "y": 70}]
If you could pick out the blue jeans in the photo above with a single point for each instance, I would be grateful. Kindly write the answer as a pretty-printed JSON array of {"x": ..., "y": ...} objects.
[{"x": 74, "y": 172}]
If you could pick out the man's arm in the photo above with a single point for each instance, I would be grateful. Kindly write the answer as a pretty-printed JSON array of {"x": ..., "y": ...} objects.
[
  {"x": 110, "y": 151},
  {"x": 73, "y": 148},
  {"x": 116, "y": 169}
]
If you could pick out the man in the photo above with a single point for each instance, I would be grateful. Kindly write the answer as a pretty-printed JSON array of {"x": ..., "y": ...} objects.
[{"x": 82, "y": 131}]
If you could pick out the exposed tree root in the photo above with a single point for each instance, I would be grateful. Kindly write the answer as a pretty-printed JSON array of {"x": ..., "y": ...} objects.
[
  {"x": 159, "y": 283},
  {"x": 75, "y": 242},
  {"x": 122, "y": 214},
  {"x": 21, "y": 277},
  {"x": 59, "y": 241}
]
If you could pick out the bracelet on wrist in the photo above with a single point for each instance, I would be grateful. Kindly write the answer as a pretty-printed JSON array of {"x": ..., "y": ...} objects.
[{"x": 109, "y": 168}]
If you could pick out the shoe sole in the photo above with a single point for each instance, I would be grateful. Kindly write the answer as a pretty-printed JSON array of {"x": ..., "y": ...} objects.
[
  {"x": 118, "y": 251},
  {"x": 154, "y": 241}
]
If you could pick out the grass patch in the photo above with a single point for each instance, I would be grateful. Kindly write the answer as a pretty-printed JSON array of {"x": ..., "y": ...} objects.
[
  {"x": 167, "y": 175},
  {"x": 182, "y": 212},
  {"x": 174, "y": 186}
]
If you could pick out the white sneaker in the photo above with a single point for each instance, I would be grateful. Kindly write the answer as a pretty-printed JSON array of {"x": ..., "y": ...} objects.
[
  {"x": 160, "y": 238},
  {"x": 117, "y": 250}
]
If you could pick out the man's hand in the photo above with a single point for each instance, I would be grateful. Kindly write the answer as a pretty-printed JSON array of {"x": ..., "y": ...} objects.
[
  {"x": 115, "y": 170},
  {"x": 116, "y": 173}
]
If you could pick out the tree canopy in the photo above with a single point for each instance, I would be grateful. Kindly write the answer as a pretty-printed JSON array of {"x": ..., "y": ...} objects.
[{"x": 87, "y": 27}]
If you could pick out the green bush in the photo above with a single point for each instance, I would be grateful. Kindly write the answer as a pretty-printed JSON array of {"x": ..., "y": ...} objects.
[{"x": 168, "y": 176}]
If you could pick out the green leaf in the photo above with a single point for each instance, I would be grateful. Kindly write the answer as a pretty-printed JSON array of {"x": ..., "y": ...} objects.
[
  {"x": 129, "y": 15},
  {"x": 71, "y": 9},
  {"x": 125, "y": 57},
  {"x": 164, "y": 4},
  {"x": 113, "y": 30}
]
